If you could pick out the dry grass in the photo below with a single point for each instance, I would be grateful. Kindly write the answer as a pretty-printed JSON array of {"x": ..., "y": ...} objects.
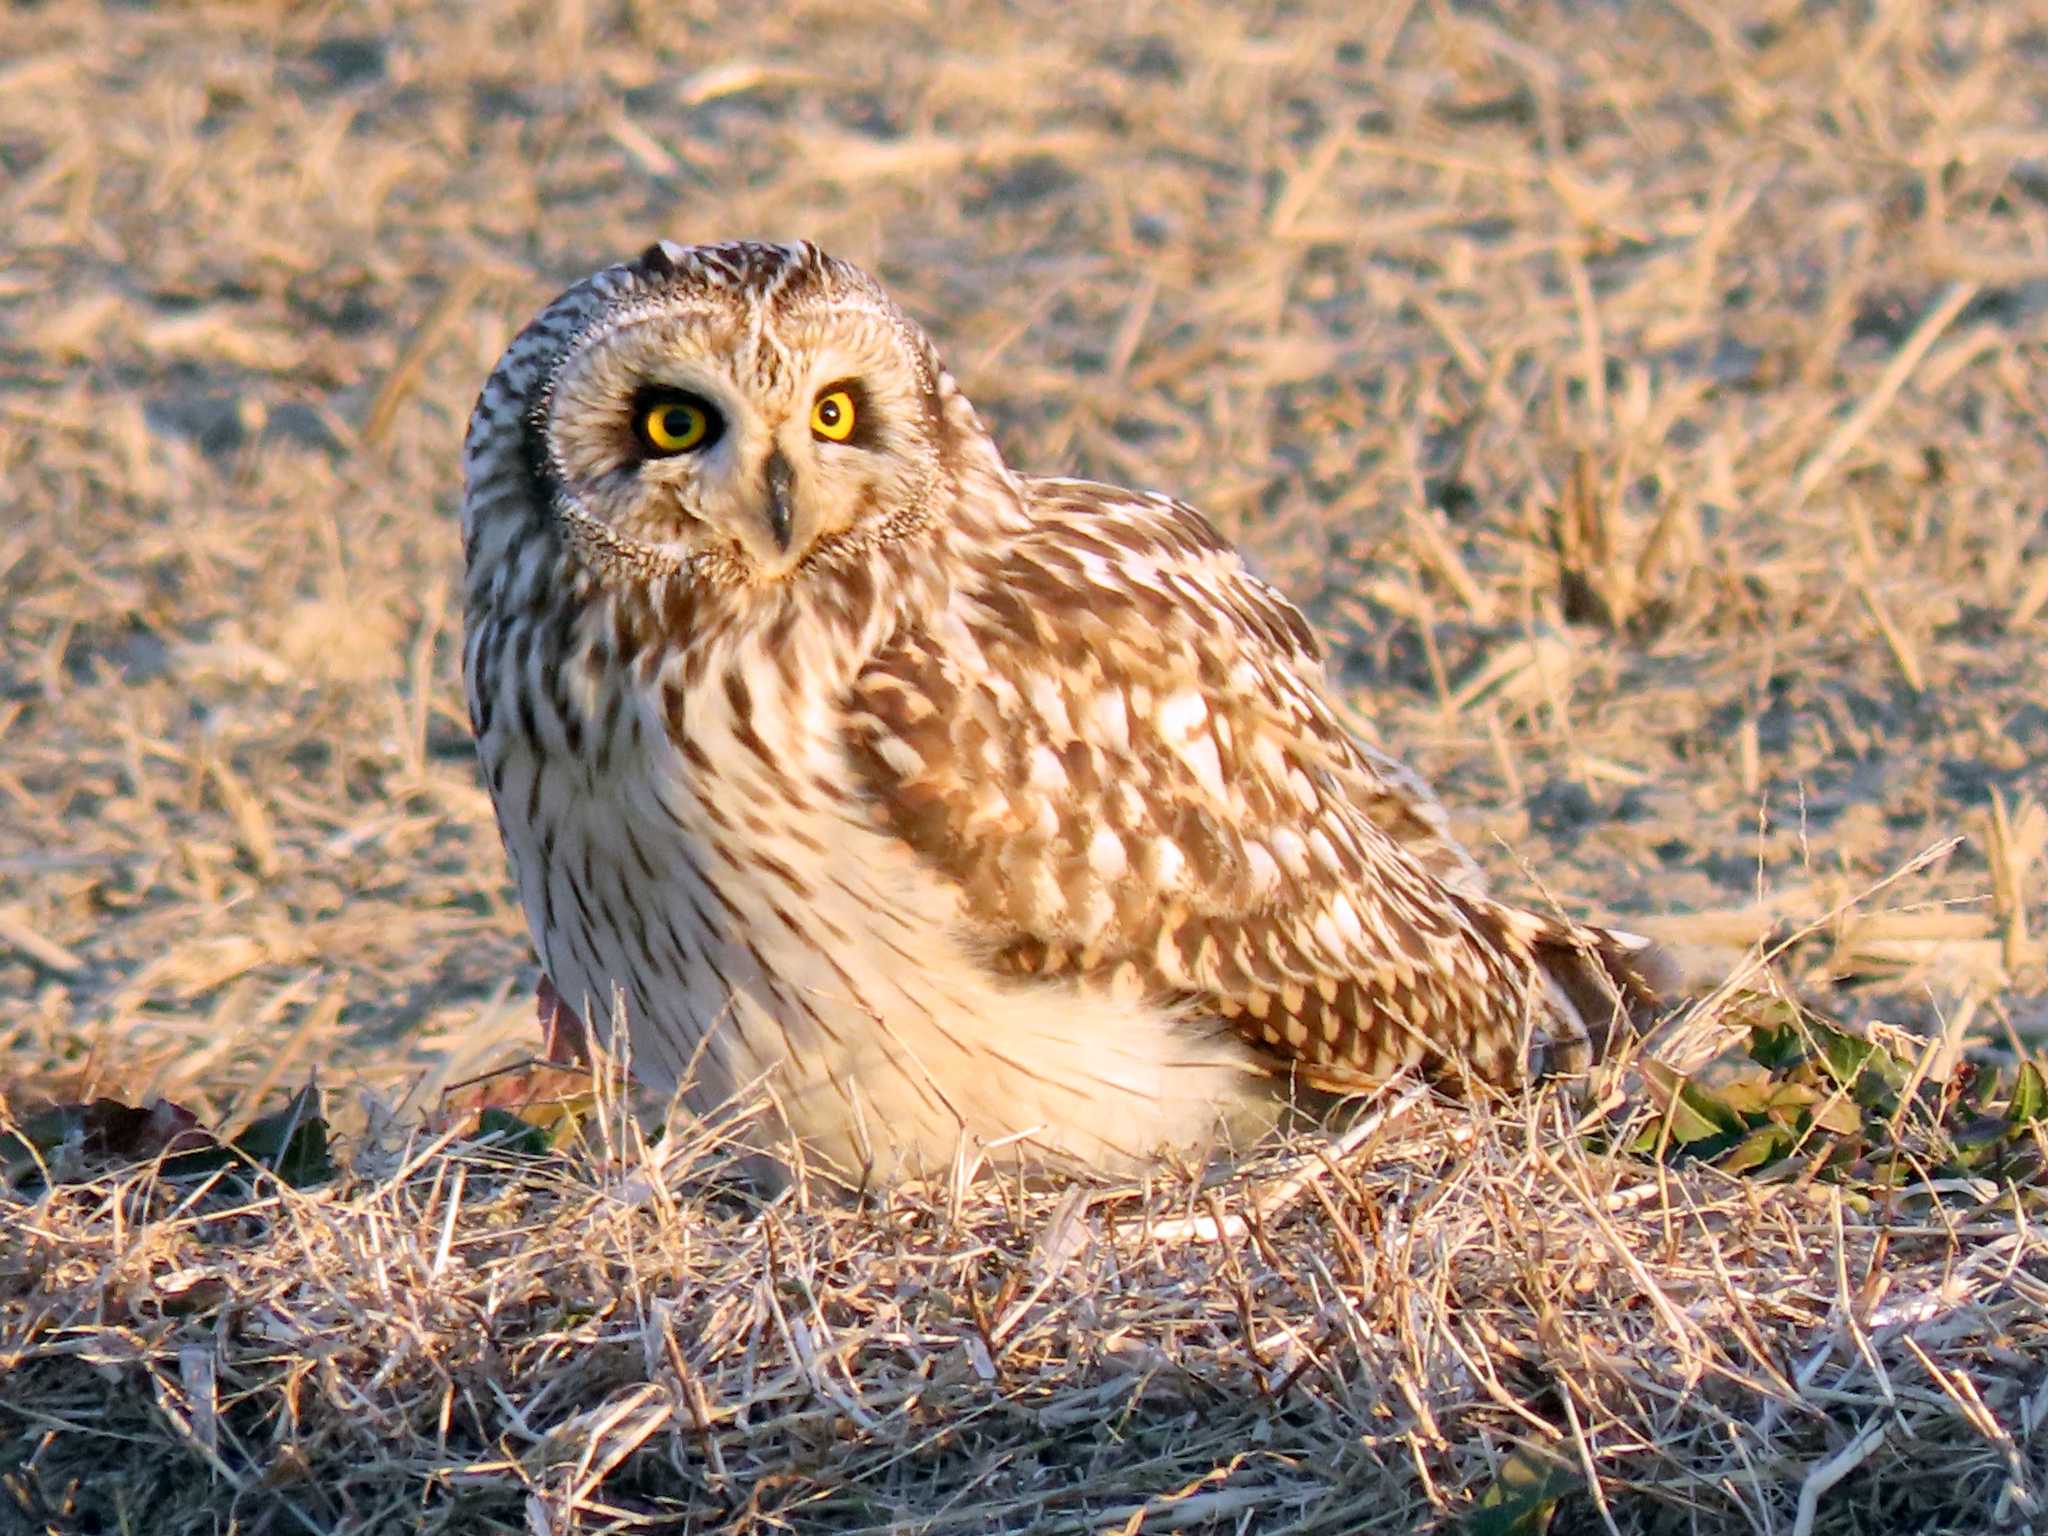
[
  {"x": 1646, "y": 401},
  {"x": 1455, "y": 1313}
]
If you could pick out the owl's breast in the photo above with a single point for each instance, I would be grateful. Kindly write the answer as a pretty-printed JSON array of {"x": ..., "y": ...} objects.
[
  {"x": 691, "y": 848},
  {"x": 684, "y": 846}
]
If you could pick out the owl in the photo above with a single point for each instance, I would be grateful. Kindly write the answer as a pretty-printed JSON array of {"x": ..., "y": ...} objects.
[{"x": 948, "y": 810}]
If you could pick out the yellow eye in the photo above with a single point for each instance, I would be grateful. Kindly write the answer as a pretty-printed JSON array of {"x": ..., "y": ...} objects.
[
  {"x": 676, "y": 426},
  {"x": 832, "y": 416}
]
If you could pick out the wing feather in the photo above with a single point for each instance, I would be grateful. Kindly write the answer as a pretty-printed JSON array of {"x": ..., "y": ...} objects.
[{"x": 1119, "y": 744}]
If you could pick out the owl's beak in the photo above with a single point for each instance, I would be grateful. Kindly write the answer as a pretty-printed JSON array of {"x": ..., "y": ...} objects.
[{"x": 781, "y": 482}]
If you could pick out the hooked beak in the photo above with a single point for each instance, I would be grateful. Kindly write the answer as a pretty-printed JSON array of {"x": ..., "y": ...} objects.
[{"x": 781, "y": 481}]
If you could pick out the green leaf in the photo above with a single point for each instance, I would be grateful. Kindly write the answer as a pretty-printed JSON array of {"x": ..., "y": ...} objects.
[
  {"x": 1968, "y": 1157},
  {"x": 1523, "y": 1498},
  {"x": 1647, "y": 1140},
  {"x": 2029, "y": 1097},
  {"x": 292, "y": 1143},
  {"x": 1845, "y": 1055},
  {"x": 1748, "y": 1095},
  {"x": 1775, "y": 1047},
  {"x": 1697, "y": 1114},
  {"x": 1788, "y": 1098},
  {"x": 1849, "y": 1059},
  {"x": 509, "y": 1133},
  {"x": 1756, "y": 1150},
  {"x": 1980, "y": 1087},
  {"x": 1839, "y": 1115},
  {"x": 40, "y": 1137}
]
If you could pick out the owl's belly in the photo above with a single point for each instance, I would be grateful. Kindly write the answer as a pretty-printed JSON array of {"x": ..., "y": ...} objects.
[{"x": 768, "y": 947}]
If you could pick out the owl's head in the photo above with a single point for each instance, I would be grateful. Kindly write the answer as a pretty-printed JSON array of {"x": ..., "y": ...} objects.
[{"x": 742, "y": 408}]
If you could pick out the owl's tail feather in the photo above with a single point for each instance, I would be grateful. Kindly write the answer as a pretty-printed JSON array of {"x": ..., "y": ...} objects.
[{"x": 1607, "y": 987}]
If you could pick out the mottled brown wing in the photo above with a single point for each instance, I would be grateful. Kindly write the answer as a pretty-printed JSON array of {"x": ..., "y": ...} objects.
[{"x": 1119, "y": 745}]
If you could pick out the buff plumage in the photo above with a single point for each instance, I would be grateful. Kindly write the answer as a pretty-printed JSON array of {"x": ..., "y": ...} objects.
[{"x": 947, "y": 808}]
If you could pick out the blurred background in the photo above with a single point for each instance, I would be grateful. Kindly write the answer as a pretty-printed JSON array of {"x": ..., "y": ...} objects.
[{"x": 1645, "y": 401}]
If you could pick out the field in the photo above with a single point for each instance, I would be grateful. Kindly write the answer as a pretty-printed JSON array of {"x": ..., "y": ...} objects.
[{"x": 1645, "y": 402}]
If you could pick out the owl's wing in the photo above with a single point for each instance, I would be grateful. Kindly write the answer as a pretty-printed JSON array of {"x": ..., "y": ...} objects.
[{"x": 1118, "y": 743}]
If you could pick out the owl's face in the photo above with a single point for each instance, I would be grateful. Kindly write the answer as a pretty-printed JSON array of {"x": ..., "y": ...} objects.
[{"x": 753, "y": 404}]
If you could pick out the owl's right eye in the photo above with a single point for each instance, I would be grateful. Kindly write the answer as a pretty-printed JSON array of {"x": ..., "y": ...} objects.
[{"x": 673, "y": 422}]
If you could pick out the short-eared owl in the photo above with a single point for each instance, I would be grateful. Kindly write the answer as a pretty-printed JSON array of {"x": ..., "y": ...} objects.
[{"x": 950, "y": 805}]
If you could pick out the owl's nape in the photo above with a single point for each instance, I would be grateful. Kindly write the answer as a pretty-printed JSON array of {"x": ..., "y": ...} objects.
[{"x": 956, "y": 808}]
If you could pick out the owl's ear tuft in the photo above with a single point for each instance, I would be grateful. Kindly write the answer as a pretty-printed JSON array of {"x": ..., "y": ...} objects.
[{"x": 656, "y": 262}]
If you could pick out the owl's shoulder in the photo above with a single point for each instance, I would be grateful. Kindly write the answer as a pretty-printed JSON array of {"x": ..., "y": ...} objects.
[
  {"x": 1133, "y": 575},
  {"x": 1116, "y": 661}
]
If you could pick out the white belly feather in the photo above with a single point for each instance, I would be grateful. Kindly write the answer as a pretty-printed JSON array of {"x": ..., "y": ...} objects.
[{"x": 763, "y": 935}]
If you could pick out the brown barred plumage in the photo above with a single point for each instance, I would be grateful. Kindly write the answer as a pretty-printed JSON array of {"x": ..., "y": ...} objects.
[{"x": 953, "y": 806}]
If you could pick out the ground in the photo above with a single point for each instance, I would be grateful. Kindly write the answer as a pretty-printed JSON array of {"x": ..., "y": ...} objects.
[{"x": 1645, "y": 402}]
